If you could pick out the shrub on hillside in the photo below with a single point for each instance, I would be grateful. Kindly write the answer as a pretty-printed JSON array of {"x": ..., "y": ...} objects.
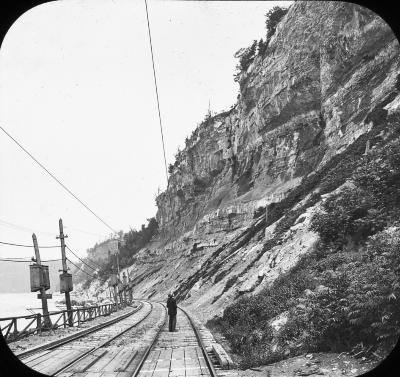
[
  {"x": 246, "y": 323},
  {"x": 359, "y": 213},
  {"x": 374, "y": 294},
  {"x": 347, "y": 214},
  {"x": 346, "y": 293},
  {"x": 380, "y": 174},
  {"x": 357, "y": 303}
]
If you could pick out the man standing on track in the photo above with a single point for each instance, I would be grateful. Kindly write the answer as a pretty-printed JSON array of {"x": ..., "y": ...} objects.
[{"x": 172, "y": 310}]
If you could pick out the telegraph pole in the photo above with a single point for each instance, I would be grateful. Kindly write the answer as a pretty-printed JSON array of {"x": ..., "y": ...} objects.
[
  {"x": 114, "y": 280},
  {"x": 125, "y": 285},
  {"x": 119, "y": 280},
  {"x": 119, "y": 284},
  {"x": 46, "y": 318},
  {"x": 130, "y": 285},
  {"x": 118, "y": 261},
  {"x": 65, "y": 271}
]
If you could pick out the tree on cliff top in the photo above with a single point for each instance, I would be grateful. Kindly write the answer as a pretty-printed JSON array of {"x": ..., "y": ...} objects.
[
  {"x": 246, "y": 55},
  {"x": 273, "y": 17}
]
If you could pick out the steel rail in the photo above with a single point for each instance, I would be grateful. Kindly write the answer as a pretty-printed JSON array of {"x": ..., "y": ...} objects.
[
  {"x": 198, "y": 337},
  {"x": 202, "y": 346},
  {"x": 65, "y": 340},
  {"x": 82, "y": 356},
  {"x": 146, "y": 354}
]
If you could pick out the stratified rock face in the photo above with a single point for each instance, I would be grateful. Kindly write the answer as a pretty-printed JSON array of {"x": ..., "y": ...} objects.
[{"x": 327, "y": 66}]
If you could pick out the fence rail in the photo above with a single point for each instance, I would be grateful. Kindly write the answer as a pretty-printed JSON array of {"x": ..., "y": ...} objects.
[{"x": 35, "y": 323}]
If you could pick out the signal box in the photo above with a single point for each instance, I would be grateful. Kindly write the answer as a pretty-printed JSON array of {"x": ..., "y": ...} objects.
[
  {"x": 46, "y": 277},
  {"x": 39, "y": 276},
  {"x": 66, "y": 282}
]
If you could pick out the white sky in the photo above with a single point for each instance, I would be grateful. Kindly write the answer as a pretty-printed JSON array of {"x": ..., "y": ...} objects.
[{"x": 77, "y": 90}]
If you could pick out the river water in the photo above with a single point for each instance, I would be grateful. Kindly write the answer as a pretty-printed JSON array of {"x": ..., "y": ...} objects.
[{"x": 16, "y": 304}]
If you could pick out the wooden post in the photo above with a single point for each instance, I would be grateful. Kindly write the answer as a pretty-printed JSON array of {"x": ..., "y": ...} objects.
[
  {"x": 65, "y": 270},
  {"x": 115, "y": 290},
  {"x": 120, "y": 293},
  {"x": 118, "y": 263},
  {"x": 125, "y": 282},
  {"x": 130, "y": 294},
  {"x": 130, "y": 280},
  {"x": 116, "y": 296},
  {"x": 39, "y": 322},
  {"x": 15, "y": 327},
  {"x": 47, "y": 322}
]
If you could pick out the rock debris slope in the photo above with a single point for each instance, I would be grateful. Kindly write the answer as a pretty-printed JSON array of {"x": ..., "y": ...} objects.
[{"x": 329, "y": 71}]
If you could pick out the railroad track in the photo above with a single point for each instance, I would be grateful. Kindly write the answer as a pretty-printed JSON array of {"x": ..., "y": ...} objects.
[
  {"x": 59, "y": 356},
  {"x": 176, "y": 354},
  {"x": 138, "y": 345},
  {"x": 53, "y": 344}
]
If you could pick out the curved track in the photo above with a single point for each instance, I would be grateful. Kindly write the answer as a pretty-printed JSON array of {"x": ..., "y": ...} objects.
[
  {"x": 176, "y": 354},
  {"x": 137, "y": 344},
  {"x": 69, "y": 338},
  {"x": 86, "y": 346}
]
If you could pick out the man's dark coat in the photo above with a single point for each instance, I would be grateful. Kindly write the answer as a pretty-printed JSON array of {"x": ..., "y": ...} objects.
[{"x": 171, "y": 305}]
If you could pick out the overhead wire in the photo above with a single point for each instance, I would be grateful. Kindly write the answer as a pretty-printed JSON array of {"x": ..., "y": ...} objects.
[
  {"x": 23, "y": 228},
  {"x": 161, "y": 131},
  {"x": 14, "y": 260},
  {"x": 83, "y": 231},
  {"x": 155, "y": 84},
  {"x": 158, "y": 105},
  {"x": 25, "y": 261},
  {"x": 90, "y": 260},
  {"x": 19, "y": 245},
  {"x": 80, "y": 268},
  {"x": 57, "y": 180},
  {"x": 66, "y": 188},
  {"x": 94, "y": 269},
  {"x": 26, "y": 229}
]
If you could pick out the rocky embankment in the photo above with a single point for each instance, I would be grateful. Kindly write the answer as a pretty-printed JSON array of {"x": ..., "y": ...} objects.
[{"x": 330, "y": 69}]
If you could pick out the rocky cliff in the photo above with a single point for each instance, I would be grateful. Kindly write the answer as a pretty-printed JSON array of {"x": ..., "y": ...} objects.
[
  {"x": 305, "y": 100},
  {"x": 241, "y": 194}
]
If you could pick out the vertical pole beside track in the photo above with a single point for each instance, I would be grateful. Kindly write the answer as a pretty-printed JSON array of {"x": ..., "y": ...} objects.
[
  {"x": 45, "y": 309},
  {"x": 65, "y": 270}
]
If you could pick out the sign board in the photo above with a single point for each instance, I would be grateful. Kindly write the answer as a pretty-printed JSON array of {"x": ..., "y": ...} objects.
[{"x": 48, "y": 295}]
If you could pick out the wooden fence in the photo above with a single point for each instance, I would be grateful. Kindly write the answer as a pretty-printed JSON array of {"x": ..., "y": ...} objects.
[{"x": 35, "y": 323}]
